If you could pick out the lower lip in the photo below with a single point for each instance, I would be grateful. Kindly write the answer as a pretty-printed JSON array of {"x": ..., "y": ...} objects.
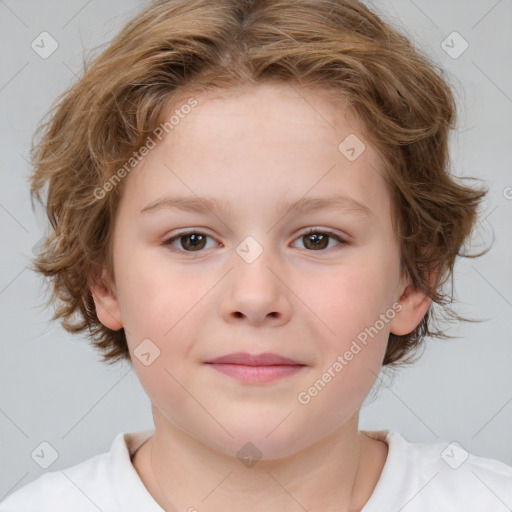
[{"x": 258, "y": 374}]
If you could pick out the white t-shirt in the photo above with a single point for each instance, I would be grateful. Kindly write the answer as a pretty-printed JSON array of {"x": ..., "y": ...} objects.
[{"x": 417, "y": 477}]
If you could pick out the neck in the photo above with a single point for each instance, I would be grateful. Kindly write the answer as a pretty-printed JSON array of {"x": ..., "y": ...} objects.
[{"x": 338, "y": 473}]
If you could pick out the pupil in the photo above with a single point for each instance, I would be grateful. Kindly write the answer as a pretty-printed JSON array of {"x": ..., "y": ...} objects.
[
  {"x": 318, "y": 238},
  {"x": 196, "y": 240}
]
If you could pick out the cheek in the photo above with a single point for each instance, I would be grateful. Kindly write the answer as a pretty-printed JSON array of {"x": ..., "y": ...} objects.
[
  {"x": 354, "y": 345},
  {"x": 165, "y": 383},
  {"x": 154, "y": 296},
  {"x": 356, "y": 306},
  {"x": 354, "y": 297}
]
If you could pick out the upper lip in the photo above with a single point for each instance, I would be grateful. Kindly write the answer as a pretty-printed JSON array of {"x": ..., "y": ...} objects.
[{"x": 265, "y": 359}]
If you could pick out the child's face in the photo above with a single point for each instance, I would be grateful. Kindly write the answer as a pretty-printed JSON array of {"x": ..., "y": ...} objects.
[{"x": 302, "y": 301}]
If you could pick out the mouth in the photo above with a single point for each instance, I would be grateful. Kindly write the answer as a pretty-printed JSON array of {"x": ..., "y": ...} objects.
[{"x": 260, "y": 368}]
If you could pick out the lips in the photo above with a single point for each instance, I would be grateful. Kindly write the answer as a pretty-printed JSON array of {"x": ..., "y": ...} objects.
[
  {"x": 265, "y": 359},
  {"x": 256, "y": 369}
]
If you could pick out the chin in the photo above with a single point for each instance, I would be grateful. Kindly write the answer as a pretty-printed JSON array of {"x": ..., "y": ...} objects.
[{"x": 261, "y": 441}]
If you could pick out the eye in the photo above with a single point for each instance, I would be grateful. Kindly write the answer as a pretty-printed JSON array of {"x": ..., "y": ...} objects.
[
  {"x": 190, "y": 241},
  {"x": 195, "y": 241},
  {"x": 317, "y": 239}
]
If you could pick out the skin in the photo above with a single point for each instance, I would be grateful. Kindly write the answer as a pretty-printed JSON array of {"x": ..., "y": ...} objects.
[{"x": 254, "y": 147}]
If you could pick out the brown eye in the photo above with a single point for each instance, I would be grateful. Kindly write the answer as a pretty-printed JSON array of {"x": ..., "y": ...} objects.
[
  {"x": 191, "y": 241},
  {"x": 317, "y": 240},
  {"x": 194, "y": 241}
]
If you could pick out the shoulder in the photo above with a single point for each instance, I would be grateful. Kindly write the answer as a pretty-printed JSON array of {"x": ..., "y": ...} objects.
[
  {"x": 420, "y": 476},
  {"x": 74, "y": 488},
  {"x": 41, "y": 494},
  {"x": 479, "y": 482},
  {"x": 103, "y": 482}
]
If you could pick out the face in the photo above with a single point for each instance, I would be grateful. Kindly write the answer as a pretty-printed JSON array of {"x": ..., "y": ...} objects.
[{"x": 243, "y": 275}]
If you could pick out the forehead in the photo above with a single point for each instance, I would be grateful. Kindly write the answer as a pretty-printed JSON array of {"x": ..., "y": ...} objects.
[
  {"x": 267, "y": 106},
  {"x": 259, "y": 145}
]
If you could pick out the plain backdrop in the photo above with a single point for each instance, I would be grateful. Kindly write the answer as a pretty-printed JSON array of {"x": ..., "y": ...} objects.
[{"x": 54, "y": 388}]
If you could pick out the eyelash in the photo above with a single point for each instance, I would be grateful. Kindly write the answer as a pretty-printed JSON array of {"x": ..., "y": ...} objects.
[{"x": 310, "y": 231}]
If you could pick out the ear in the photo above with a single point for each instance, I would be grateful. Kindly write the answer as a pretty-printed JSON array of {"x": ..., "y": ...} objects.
[
  {"x": 105, "y": 300},
  {"x": 415, "y": 304}
]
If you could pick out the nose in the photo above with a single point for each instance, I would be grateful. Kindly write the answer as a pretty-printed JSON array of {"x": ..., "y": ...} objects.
[{"x": 256, "y": 293}]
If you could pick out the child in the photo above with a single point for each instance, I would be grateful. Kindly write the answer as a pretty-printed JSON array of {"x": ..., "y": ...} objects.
[{"x": 251, "y": 204}]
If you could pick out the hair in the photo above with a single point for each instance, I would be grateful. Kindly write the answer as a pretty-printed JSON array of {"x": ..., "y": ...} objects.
[{"x": 174, "y": 48}]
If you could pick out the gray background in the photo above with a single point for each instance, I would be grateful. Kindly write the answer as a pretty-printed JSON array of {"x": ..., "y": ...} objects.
[{"x": 53, "y": 387}]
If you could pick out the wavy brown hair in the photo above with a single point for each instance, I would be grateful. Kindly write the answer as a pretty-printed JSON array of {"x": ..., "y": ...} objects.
[{"x": 175, "y": 48}]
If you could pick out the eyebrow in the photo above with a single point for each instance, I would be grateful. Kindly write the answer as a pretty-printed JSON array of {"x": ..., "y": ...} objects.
[{"x": 194, "y": 204}]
